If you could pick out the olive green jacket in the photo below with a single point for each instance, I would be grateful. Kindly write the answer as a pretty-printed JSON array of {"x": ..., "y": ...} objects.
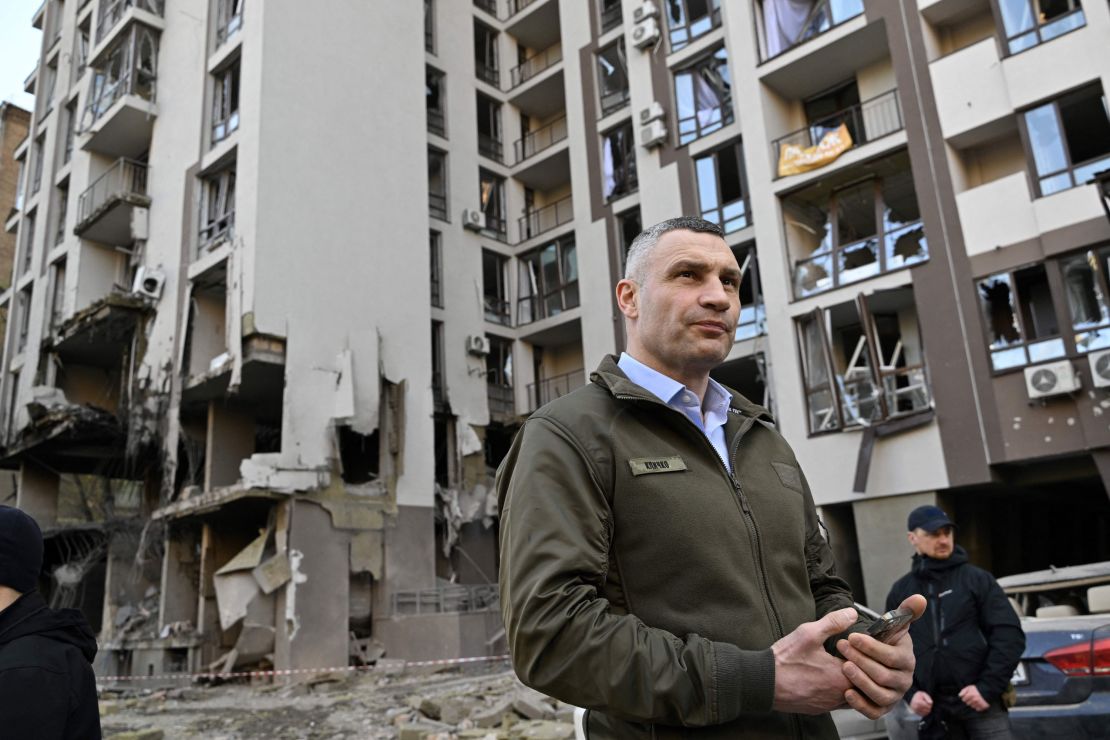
[{"x": 641, "y": 580}]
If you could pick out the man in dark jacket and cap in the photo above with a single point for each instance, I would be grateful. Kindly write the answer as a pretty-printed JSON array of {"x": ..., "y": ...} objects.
[
  {"x": 969, "y": 641},
  {"x": 47, "y": 687}
]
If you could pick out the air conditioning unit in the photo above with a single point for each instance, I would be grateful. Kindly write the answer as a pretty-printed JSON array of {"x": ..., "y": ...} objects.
[
  {"x": 645, "y": 34},
  {"x": 477, "y": 345},
  {"x": 644, "y": 11},
  {"x": 653, "y": 134},
  {"x": 148, "y": 283},
  {"x": 1051, "y": 379},
  {"x": 652, "y": 113},
  {"x": 473, "y": 220},
  {"x": 1100, "y": 368}
]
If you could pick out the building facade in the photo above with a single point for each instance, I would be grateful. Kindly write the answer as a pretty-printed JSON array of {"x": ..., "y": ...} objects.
[{"x": 259, "y": 419}]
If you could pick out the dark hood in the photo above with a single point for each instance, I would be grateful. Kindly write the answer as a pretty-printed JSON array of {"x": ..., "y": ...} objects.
[
  {"x": 927, "y": 567},
  {"x": 29, "y": 615}
]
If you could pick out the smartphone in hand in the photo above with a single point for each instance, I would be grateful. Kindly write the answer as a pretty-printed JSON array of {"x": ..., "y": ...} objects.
[{"x": 888, "y": 627}]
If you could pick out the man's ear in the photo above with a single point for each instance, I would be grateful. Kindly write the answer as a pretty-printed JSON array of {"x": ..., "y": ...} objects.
[{"x": 628, "y": 298}]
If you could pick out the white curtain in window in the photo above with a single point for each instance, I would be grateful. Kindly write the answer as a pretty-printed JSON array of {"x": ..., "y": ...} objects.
[
  {"x": 707, "y": 97},
  {"x": 783, "y": 21},
  {"x": 609, "y": 176}
]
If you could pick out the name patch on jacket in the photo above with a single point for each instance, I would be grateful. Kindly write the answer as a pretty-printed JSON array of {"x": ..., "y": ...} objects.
[{"x": 645, "y": 465}]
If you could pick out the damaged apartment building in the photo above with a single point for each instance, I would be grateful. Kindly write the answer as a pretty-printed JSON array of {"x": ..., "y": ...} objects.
[{"x": 261, "y": 364}]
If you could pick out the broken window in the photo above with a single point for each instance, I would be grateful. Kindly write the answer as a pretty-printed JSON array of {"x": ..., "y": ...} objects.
[
  {"x": 860, "y": 231},
  {"x": 229, "y": 19},
  {"x": 612, "y": 69},
  {"x": 18, "y": 204},
  {"x": 499, "y": 379},
  {"x": 1019, "y": 317},
  {"x": 618, "y": 162},
  {"x": 495, "y": 287},
  {"x": 57, "y": 292},
  {"x": 23, "y": 307},
  {"x": 435, "y": 245},
  {"x": 46, "y": 90},
  {"x": 61, "y": 205},
  {"x": 1031, "y": 22},
  {"x": 489, "y": 128},
  {"x": 703, "y": 96},
  {"x": 225, "y": 103},
  {"x": 37, "y": 154},
  {"x": 723, "y": 188},
  {"x": 1069, "y": 139},
  {"x": 1085, "y": 283},
  {"x": 787, "y": 23},
  {"x": 111, "y": 12},
  {"x": 439, "y": 376},
  {"x": 485, "y": 54},
  {"x": 359, "y": 455},
  {"x": 689, "y": 19},
  {"x": 217, "y": 213},
  {"x": 27, "y": 234},
  {"x": 863, "y": 361},
  {"x": 610, "y": 11},
  {"x": 81, "y": 49},
  {"x": 434, "y": 100},
  {"x": 629, "y": 226},
  {"x": 437, "y": 183},
  {"x": 753, "y": 318},
  {"x": 547, "y": 281},
  {"x": 491, "y": 188},
  {"x": 429, "y": 27},
  {"x": 71, "y": 130},
  {"x": 129, "y": 67}
]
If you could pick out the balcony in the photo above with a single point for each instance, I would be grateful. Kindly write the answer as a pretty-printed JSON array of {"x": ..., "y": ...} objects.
[
  {"x": 536, "y": 86},
  {"x": 119, "y": 114},
  {"x": 108, "y": 209},
  {"x": 111, "y": 12},
  {"x": 541, "y": 163},
  {"x": 830, "y": 51},
  {"x": 533, "y": 23},
  {"x": 548, "y": 389},
  {"x": 819, "y": 144},
  {"x": 543, "y": 220},
  {"x": 490, "y": 147},
  {"x": 502, "y": 407}
]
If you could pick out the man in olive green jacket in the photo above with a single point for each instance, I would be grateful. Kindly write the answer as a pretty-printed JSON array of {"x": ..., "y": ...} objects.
[{"x": 661, "y": 560}]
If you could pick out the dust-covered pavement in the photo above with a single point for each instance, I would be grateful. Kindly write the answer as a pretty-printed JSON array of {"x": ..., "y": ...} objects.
[{"x": 383, "y": 703}]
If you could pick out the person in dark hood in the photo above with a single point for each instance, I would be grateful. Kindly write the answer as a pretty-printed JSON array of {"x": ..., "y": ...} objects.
[
  {"x": 47, "y": 687},
  {"x": 969, "y": 641}
]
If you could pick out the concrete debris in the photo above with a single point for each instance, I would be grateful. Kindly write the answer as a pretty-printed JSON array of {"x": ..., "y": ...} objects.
[
  {"x": 274, "y": 573},
  {"x": 266, "y": 470},
  {"x": 457, "y": 508}
]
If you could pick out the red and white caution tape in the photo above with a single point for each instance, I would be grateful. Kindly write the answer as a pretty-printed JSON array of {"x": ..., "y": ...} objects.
[{"x": 400, "y": 664}]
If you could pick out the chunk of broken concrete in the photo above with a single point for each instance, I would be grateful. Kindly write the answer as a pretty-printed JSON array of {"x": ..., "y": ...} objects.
[{"x": 530, "y": 707}]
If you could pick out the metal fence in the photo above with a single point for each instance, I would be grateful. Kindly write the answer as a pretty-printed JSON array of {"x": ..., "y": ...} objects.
[
  {"x": 124, "y": 179},
  {"x": 446, "y": 600},
  {"x": 535, "y": 64},
  {"x": 872, "y": 119},
  {"x": 551, "y": 388},
  {"x": 545, "y": 219},
  {"x": 542, "y": 138}
]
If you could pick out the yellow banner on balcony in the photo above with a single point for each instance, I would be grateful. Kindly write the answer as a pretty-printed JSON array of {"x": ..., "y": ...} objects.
[{"x": 794, "y": 159}]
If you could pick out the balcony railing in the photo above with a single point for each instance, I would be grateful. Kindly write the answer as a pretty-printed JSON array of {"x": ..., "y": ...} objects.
[
  {"x": 542, "y": 138},
  {"x": 501, "y": 404},
  {"x": 124, "y": 180},
  {"x": 436, "y": 122},
  {"x": 546, "y": 218},
  {"x": 497, "y": 227},
  {"x": 439, "y": 391},
  {"x": 548, "y": 389},
  {"x": 487, "y": 73},
  {"x": 867, "y": 121},
  {"x": 515, "y": 6},
  {"x": 111, "y": 11},
  {"x": 437, "y": 206},
  {"x": 490, "y": 6},
  {"x": 497, "y": 310},
  {"x": 489, "y": 146},
  {"x": 128, "y": 69},
  {"x": 611, "y": 18},
  {"x": 536, "y": 64},
  {"x": 614, "y": 101}
]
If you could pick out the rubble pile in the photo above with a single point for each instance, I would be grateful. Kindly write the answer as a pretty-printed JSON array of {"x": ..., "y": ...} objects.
[{"x": 385, "y": 703}]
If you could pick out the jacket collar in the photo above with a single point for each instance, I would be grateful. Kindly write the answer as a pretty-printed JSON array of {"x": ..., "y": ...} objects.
[{"x": 610, "y": 377}]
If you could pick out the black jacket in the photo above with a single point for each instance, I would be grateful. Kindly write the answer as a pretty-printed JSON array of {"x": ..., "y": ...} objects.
[
  {"x": 47, "y": 687},
  {"x": 969, "y": 635}
]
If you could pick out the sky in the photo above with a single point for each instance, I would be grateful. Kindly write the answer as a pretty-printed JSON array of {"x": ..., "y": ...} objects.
[{"x": 19, "y": 49}]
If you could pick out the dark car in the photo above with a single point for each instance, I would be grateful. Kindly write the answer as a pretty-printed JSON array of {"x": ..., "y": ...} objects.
[{"x": 1063, "y": 679}]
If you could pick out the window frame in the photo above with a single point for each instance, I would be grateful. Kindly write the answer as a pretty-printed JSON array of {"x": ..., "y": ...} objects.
[
  {"x": 496, "y": 225},
  {"x": 727, "y": 116},
  {"x": 436, "y": 117},
  {"x": 1100, "y": 269},
  {"x": 435, "y": 259},
  {"x": 229, "y": 20},
  {"x": 542, "y": 291},
  {"x": 757, "y": 305},
  {"x": 1035, "y": 178},
  {"x": 1005, "y": 40},
  {"x": 438, "y": 207},
  {"x": 714, "y": 155},
  {"x": 715, "y": 22},
  {"x": 1019, "y": 320},
  {"x": 631, "y": 183},
  {"x": 502, "y": 312},
  {"x": 61, "y": 208},
  {"x": 226, "y": 91},
  {"x": 625, "y": 95},
  {"x": 215, "y": 229}
]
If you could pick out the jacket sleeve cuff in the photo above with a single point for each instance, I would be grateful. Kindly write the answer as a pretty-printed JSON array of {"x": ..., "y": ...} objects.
[{"x": 745, "y": 681}]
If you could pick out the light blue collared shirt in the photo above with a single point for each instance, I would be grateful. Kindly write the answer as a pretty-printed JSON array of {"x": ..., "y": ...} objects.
[{"x": 680, "y": 398}]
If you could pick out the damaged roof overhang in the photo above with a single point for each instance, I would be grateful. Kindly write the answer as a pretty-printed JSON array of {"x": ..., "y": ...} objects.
[
  {"x": 73, "y": 438},
  {"x": 210, "y": 501},
  {"x": 99, "y": 334}
]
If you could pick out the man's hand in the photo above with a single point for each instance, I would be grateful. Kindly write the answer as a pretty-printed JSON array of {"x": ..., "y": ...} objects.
[
  {"x": 880, "y": 673},
  {"x": 807, "y": 679},
  {"x": 971, "y": 696},
  {"x": 921, "y": 704}
]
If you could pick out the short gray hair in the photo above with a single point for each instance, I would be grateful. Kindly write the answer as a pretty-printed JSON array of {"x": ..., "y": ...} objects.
[{"x": 636, "y": 261}]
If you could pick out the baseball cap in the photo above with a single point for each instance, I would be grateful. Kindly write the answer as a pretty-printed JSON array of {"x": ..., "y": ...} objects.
[
  {"x": 20, "y": 550},
  {"x": 929, "y": 518}
]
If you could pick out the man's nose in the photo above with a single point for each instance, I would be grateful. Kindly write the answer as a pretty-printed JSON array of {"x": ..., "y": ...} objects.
[{"x": 715, "y": 296}]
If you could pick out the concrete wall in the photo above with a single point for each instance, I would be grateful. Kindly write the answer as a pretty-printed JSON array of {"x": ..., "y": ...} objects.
[{"x": 884, "y": 550}]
